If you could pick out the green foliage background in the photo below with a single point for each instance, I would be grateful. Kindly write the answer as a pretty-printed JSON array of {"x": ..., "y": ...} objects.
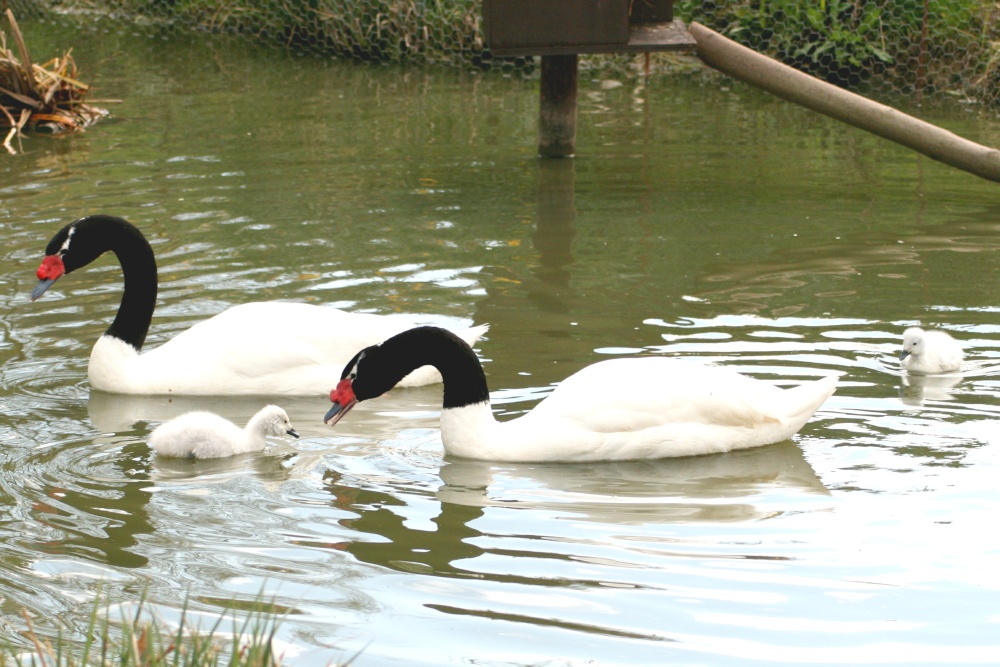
[{"x": 908, "y": 47}]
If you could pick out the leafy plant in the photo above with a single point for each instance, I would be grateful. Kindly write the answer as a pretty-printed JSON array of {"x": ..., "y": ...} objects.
[{"x": 846, "y": 41}]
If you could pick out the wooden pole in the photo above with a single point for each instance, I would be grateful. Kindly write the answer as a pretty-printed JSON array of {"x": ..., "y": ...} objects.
[
  {"x": 557, "y": 107},
  {"x": 937, "y": 143}
]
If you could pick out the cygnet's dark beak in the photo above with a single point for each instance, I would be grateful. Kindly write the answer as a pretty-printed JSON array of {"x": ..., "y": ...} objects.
[
  {"x": 292, "y": 433},
  {"x": 903, "y": 354}
]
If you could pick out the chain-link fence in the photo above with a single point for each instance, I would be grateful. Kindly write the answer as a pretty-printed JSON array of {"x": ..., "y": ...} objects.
[
  {"x": 910, "y": 47},
  {"x": 918, "y": 48}
]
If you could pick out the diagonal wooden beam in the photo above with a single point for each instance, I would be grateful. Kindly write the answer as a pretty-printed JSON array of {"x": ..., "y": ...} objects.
[{"x": 788, "y": 83}]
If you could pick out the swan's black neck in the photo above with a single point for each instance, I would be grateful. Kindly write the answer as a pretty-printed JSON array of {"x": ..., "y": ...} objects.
[
  {"x": 378, "y": 368},
  {"x": 83, "y": 241}
]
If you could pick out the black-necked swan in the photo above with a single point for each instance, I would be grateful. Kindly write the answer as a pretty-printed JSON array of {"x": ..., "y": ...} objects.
[
  {"x": 263, "y": 348},
  {"x": 930, "y": 352},
  {"x": 206, "y": 435},
  {"x": 620, "y": 409}
]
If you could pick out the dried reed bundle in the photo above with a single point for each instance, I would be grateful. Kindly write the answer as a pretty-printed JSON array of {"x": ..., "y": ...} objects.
[{"x": 45, "y": 98}]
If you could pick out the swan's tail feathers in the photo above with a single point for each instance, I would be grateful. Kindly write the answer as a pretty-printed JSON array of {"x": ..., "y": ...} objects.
[
  {"x": 473, "y": 334},
  {"x": 801, "y": 402}
]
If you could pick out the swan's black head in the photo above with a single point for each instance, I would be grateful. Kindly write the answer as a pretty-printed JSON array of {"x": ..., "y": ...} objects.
[
  {"x": 376, "y": 369},
  {"x": 357, "y": 383},
  {"x": 77, "y": 244},
  {"x": 53, "y": 265}
]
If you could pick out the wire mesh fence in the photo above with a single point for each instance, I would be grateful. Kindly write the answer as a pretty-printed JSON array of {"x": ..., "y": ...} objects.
[
  {"x": 909, "y": 47},
  {"x": 917, "y": 48}
]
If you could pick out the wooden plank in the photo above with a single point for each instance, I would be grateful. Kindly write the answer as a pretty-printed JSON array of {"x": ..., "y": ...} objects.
[
  {"x": 779, "y": 79},
  {"x": 643, "y": 38},
  {"x": 527, "y": 25},
  {"x": 669, "y": 36}
]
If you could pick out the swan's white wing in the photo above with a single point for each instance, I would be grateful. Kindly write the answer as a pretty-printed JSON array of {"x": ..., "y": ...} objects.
[
  {"x": 271, "y": 347},
  {"x": 654, "y": 408},
  {"x": 283, "y": 330},
  {"x": 611, "y": 395}
]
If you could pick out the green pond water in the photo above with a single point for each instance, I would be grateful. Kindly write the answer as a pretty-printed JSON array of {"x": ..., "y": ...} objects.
[{"x": 701, "y": 219}]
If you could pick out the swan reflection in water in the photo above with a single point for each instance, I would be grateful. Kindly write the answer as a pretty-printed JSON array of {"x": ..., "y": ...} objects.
[
  {"x": 747, "y": 485},
  {"x": 412, "y": 510},
  {"x": 916, "y": 388},
  {"x": 717, "y": 487}
]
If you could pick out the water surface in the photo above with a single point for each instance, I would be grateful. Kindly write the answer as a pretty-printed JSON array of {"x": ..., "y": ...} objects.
[{"x": 701, "y": 219}]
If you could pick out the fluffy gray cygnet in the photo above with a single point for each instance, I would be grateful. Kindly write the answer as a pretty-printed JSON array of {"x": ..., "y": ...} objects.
[
  {"x": 206, "y": 435},
  {"x": 930, "y": 352}
]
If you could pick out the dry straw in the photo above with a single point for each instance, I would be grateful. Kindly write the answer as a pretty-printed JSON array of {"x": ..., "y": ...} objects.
[{"x": 43, "y": 98}]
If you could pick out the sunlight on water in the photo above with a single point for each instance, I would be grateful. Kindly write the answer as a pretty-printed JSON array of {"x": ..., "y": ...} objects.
[{"x": 699, "y": 221}]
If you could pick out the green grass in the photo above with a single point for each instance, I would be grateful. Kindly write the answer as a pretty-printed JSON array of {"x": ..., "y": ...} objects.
[
  {"x": 140, "y": 642},
  {"x": 379, "y": 30},
  {"x": 911, "y": 46},
  {"x": 907, "y": 46},
  {"x": 919, "y": 45}
]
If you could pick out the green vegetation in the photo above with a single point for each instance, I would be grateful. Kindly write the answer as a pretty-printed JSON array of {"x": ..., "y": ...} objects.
[
  {"x": 142, "y": 643},
  {"x": 908, "y": 46},
  {"x": 379, "y": 30},
  {"x": 923, "y": 45}
]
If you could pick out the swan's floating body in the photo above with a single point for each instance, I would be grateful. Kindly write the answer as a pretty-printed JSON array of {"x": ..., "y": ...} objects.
[
  {"x": 262, "y": 348},
  {"x": 640, "y": 408},
  {"x": 206, "y": 435},
  {"x": 930, "y": 352}
]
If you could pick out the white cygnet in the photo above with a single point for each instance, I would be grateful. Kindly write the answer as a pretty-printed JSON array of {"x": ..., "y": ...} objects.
[
  {"x": 930, "y": 352},
  {"x": 206, "y": 435}
]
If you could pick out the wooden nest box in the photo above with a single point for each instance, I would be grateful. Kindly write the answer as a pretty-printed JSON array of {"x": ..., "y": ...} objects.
[
  {"x": 563, "y": 27},
  {"x": 560, "y": 30}
]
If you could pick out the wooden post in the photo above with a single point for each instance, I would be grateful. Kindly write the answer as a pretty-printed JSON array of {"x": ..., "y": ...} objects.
[{"x": 557, "y": 107}]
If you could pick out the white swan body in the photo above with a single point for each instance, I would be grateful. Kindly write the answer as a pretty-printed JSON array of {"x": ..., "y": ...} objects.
[
  {"x": 262, "y": 348},
  {"x": 206, "y": 435},
  {"x": 673, "y": 408},
  {"x": 621, "y": 409},
  {"x": 930, "y": 352}
]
